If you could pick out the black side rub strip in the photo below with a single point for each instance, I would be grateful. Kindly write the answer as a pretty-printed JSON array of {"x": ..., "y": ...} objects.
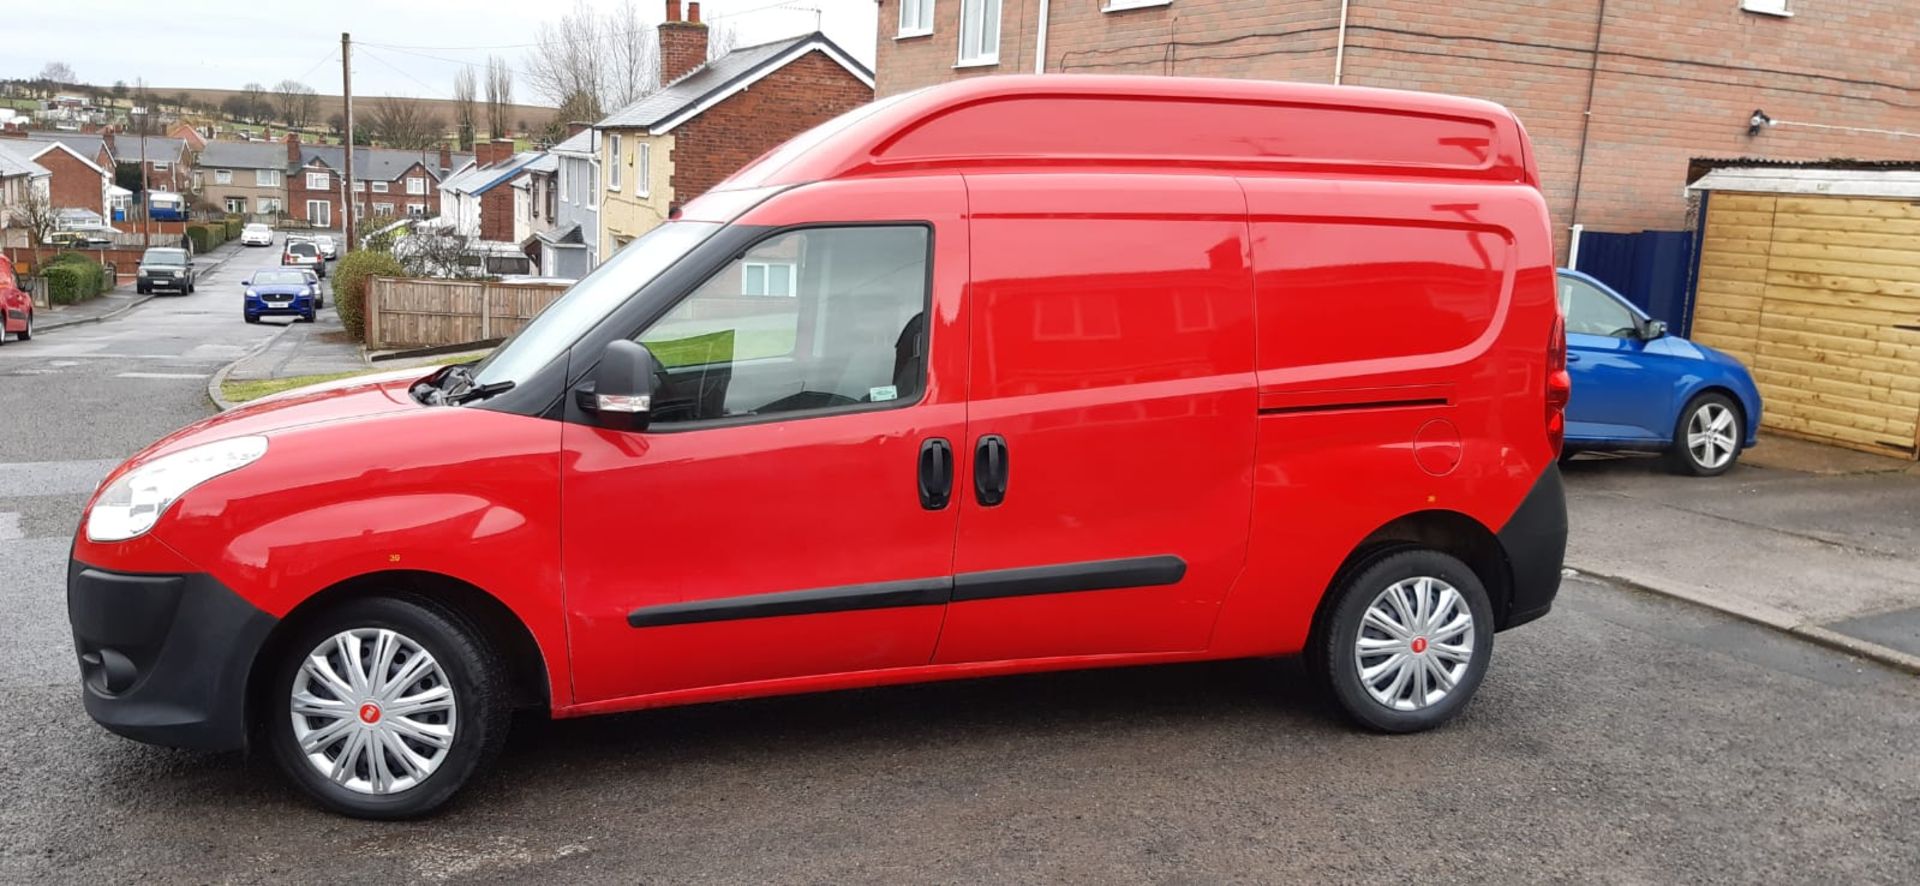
[
  {"x": 879, "y": 595},
  {"x": 1346, "y": 407},
  {"x": 1066, "y": 578}
]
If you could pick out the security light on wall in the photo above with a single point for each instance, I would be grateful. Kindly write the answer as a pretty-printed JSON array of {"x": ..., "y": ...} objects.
[{"x": 1757, "y": 122}]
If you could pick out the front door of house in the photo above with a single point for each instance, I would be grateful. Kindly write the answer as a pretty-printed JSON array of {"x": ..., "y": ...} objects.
[
  {"x": 236, "y": 206},
  {"x": 320, "y": 213}
]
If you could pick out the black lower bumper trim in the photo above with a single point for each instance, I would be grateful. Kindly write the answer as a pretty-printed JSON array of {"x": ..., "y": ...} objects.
[
  {"x": 1535, "y": 543},
  {"x": 164, "y": 659}
]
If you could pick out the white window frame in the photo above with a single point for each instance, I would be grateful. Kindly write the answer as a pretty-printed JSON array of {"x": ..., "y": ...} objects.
[
  {"x": 223, "y": 176},
  {"x": 268, "y": 205},
  {"x": 767, "y": 271},
  {"x": 359, "y": 187},
  {"x": 642, "y": 170},
  {"x": 975, "y": 17},
  {"x": 326, "y": 209},
  {"x": 918, "y": 25},
  {"x": 266, "y": 178},
  {"x": 319, "y": 181},
  {"x": 161, "y": 166},
  {"x": 416, "y": 210},
  {"x": 379, "y": 187},
  {"x": 1780, "y": 8},
  {"x": 383, "y": 209},
  {"x": 416, "y": 186},
  {"x": 613, "y": 168},
  {"x": 564, "y": 191},
  {"x": 1124, "y": 5}
]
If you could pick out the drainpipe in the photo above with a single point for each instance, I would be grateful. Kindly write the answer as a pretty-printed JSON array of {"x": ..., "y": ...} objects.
[
  {"x": 1586, "y": 124},
  {"x": 1339, "y": 45},
  {"x": 1040, "y": 41}
]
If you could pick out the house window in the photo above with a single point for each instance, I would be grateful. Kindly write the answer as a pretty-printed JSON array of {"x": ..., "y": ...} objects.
[
  {"x": 1766, "y": 7},
  {"x": 916, "y": 18},
  {"x": 1120, "y": 5},
  {"x": 553, "y": 200},
  {"x": 359, "y": 187},
  {"x": 223, "y": 176},
  {"x": 379, "y": 187},
  {"x": 317, "y": 181},
  {"x": 613, "y": 168},
  {"x": 416, "y": 186},
  {"x": 267, "y": 178},
  {"x": 269, "y": 205},
  {"x": 159, "y": 166},
  {"x": 643, "y": 164},
  {"x": 417, "y": 210},
  {"x": 383, "y": 208},
  {"x": 769, "y": 278},
  {"x": 979, "y": 32},
  {"x": 566, "y": 196},
  {"x": 236, "y": 206}
]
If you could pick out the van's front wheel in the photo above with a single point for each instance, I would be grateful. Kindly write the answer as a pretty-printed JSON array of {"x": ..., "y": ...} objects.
[
  {"x": 384, "y": 707},
  {"x": 1407, "y": 642}
]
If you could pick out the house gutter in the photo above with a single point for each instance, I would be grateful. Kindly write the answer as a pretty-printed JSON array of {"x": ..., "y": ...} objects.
[
  {"x": 1040, "y": 40},
  {"x": 1339, "y": 45}
]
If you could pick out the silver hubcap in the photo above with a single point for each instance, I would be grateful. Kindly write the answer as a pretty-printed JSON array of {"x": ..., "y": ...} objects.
[
  {"x": 373, "y": 711},
  {"x": 1415, "y": 643},
  {"x": 1710, "y": 435}
]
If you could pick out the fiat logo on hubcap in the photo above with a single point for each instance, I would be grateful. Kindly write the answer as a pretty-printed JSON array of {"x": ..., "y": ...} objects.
[
  {"x": 1419, "y": 645},
  {"x": 369, "y": 713}
]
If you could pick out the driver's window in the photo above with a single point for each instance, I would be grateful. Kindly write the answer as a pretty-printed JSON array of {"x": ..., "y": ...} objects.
[
  {"x": 814, "y": 319},
  {"x": 1592, "y": 312}
]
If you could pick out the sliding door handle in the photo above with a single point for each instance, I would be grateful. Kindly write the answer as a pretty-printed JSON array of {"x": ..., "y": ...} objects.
[{"x": 990, "y": 470}]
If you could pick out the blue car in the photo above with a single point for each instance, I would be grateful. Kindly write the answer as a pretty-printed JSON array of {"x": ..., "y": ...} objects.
[
  {"x": 1636, "y": 388},
  {"x": 284, "y": 292}
]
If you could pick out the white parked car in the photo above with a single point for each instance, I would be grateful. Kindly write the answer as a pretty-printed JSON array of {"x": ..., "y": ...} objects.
[
  {"x": 328, "y": 248},
  {"x": 256, "y": 235}
]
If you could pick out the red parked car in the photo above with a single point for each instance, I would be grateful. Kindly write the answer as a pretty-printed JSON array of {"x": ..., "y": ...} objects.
[
  {"x": 982, "y": 379},
  {"x": 16, "y": 306}
]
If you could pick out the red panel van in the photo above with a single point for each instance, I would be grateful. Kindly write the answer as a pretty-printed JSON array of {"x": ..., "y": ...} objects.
[{"x": 1013, "y": 374}]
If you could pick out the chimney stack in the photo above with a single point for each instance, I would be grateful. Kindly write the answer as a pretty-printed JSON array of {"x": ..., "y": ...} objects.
[
  {"x": 446, "y": 156},
  {"x": 683, "y": 44},
  {"x": 293, "y": 149},
  {"x": 577, "y": 127}
]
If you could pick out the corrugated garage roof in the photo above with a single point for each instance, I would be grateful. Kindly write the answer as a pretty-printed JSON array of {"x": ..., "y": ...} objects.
[{"x": 1894, "y": 183}]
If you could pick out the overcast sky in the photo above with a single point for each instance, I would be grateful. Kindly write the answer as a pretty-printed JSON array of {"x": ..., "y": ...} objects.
[{"x": 228, "y": 43}]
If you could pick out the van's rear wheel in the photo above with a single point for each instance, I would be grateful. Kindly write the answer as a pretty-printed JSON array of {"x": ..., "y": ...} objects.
[
  {"x": 384, "y": 707},
  {"x": 1407, "y": 641}
]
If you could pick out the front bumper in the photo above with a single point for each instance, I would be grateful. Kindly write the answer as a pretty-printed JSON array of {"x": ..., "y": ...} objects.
[
  {"x": 1535, "y": 544},
  {"x": 177, "y": 284},
  {"x": 300, "y": 306},
  {"x": 164, "y": 659}
]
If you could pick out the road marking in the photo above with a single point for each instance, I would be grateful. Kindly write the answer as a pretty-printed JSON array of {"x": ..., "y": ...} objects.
[
  {"x": 160, "y": 375},
  {"x": 10, "y": 527}
]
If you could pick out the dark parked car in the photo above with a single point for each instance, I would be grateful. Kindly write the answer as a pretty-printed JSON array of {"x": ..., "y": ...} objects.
[{"x": 169, "y": 269}]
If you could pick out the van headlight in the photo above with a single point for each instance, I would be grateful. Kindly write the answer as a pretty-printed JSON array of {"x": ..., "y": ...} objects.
[{"x": 132, "y": 504}]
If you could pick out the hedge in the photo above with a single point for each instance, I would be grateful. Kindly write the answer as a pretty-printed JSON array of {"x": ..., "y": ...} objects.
[
  {"x": 72, "y": 277},
  {"x": 233, "y": 227},
  {"x": 350, "y": 276},
  {"x": 206, "y": 237}
]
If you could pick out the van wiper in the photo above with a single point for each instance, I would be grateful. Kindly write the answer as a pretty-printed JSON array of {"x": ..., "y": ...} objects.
[{"x": 481, "y": 392}]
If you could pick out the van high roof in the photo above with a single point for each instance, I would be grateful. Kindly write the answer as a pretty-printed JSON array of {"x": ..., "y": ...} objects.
[{"x": 1120, "y": 122}]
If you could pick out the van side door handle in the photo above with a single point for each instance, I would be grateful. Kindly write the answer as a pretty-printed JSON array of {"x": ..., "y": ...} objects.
[
  {"x": 990, "y": 470},
  {"x": 935, "y": 477}
]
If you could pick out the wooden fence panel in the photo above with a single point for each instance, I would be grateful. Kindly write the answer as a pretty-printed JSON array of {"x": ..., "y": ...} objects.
[{"x": 408, "y": 313}]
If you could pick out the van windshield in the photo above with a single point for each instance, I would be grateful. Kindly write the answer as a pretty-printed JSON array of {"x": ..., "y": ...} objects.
[{"x": 590, "y": 301}]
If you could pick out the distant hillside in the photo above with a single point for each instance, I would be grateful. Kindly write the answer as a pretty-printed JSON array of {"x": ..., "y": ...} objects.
[{"x": 534, "y": 116}]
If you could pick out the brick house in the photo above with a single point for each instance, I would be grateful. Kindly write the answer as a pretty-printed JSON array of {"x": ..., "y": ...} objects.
[
  {"x": 479, "y": 200},
  {"x": 387, "y": 181},
  {"x": 1620, "y": 98},
  {"x": 169, "y": 161},
  {"x": 22, "y": 182},
  {"x": 713, "y": 117},
  {"x": 78, "y": 179},
  {"x": 243, "y": 178}
]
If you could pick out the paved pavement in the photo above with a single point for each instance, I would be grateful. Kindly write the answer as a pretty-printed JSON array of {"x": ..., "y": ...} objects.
[
  {"x": 1625, "y": 738},
  {"x": 1833, "y": 552},
  {"x": 123, "y": 299}
]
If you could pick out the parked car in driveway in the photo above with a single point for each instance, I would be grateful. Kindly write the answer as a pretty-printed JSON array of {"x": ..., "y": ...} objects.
[
  {"x": 165, "y": 269},
  {"x": 282, "y": 292},
  {"x": 300, "y": 253},
  {"x": 80, "y": 239},
  {"x": 1637, "y": 387},
  {"x": 979, "y": 415},
  {"x": 16, "y": 306},
  {"x": 256, "y": 235}
]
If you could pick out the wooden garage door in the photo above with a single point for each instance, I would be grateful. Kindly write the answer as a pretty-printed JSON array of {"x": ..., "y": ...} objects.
[{"x": 1820, "y": 296}]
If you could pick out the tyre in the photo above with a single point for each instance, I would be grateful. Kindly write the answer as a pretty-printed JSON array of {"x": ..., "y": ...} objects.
[
  {"x": 251, "y": 318},
  {"x": 190, "y": 288},
  {"x": 1707, "y": 437},
  {"x": 306, "y": 317},
  {"x": 1405, "y": 642},
  {"x": 141, "y": 289},
  {"x": 384, "y": 707},
  {"x": 27, "y": 333}
]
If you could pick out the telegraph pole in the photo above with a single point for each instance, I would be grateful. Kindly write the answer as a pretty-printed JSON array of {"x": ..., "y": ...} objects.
[{"x": 346, "y": 90}]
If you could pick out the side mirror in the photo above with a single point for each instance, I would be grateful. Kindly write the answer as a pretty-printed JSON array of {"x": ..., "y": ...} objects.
[
  {"x": 1654, "y": 329},
  {"x": 620, "y": 396}
]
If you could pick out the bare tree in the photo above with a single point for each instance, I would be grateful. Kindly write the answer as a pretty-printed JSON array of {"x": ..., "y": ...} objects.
[
  {"x": 257, "y": 105},
  {"x": 37, "y": 216},
  {"x": 181, "y": 100},
  {"x": 465, "y": 114},
  {"x": 337, "y": 124},
  {"x": 721, "y": 38},
  {"x": 499, "y": 96},
  {"x": 568, "y": 57},
  {"x": 405, "y": 124},
  {"x": 60, "y": 73},
  {"x": 296, "y": 103},
  {"x": 633, "y": 56}
]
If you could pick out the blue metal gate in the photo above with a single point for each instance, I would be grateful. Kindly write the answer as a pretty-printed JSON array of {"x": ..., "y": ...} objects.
[{"x": 1653, "y": 269}]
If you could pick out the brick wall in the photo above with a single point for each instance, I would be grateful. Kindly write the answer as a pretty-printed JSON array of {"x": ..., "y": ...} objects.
[
  {"x": 496, "y": 214},
  {"x": 298, "y": 195},
  {"x": 811, "y": 90},
  {"x": 1673, "y": 81},
  {"x": 74, "y": 185}
]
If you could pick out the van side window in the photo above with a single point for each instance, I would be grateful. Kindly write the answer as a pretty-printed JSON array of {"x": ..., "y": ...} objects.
[
  {"x": 1592, "y": 312},
  {"x": 810, "y": 320}
]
